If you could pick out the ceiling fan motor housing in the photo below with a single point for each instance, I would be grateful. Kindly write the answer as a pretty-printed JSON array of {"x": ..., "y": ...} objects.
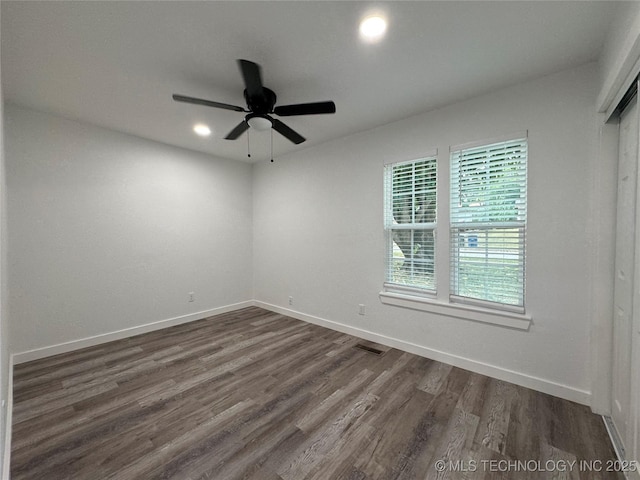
[{"x": 261, "y": 104}]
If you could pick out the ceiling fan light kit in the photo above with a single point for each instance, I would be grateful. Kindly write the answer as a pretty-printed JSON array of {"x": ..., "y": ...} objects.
[
  {"x": 261, "y": 105},
  {"x": 259, "y": 123}
]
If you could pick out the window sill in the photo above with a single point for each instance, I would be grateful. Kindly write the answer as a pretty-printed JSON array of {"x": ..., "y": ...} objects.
[{"x": 465, "y": 312}]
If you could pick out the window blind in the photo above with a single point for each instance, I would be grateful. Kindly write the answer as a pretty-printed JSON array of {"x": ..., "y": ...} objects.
[
  {"x": 410, "y": 222},
  {"x": 488, "y": 213}
]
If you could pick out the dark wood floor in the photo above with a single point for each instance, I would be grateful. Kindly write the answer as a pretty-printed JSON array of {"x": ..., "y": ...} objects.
[{"x": 256, "y": 395}]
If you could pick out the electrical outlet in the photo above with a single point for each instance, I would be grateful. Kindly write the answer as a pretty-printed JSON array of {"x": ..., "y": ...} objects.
[
  {"x": 192, "y": 297},
  {"x": 290, "y": 300},
  {"x": 361, "y": 309}
]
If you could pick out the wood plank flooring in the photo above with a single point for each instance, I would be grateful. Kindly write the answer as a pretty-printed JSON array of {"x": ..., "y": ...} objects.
[{"x": 255, "y": 395}]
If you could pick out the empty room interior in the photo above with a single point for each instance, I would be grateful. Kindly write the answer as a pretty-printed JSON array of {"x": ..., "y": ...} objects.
[{"x": 319, "y": 240}]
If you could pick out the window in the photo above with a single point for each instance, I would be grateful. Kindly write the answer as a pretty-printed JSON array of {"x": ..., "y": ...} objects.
[
  {"x": 410, "y": 223},
  {"x": 483, "y": 241},
  {"x": 488, "y": 222}
]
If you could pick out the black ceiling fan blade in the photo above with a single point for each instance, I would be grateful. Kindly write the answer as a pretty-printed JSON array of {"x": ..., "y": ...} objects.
[
  {"x": 238, "y": 130},
  {"x": 305, "y": 109},
  {"x": 252, "y": 78},
  {"x": 207, "y": 103},
  {"x": 287, "y": 132}
]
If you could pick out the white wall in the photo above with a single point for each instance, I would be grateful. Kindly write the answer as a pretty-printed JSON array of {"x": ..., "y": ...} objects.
[
  {"x": 110, "y": 232},
  {"x": 318, "y": 232}
]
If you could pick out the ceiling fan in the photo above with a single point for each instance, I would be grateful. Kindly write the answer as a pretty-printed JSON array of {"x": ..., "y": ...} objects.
[{"x": 261, "y": 105}]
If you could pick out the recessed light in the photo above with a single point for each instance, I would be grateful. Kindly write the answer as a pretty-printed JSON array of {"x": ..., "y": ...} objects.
[
  {"x": 373, "y": 28},
  {"x": 202, "y": 130}
]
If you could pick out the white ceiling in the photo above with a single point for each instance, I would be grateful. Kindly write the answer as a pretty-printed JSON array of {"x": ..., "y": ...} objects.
[{"x": 116, "y": 64}]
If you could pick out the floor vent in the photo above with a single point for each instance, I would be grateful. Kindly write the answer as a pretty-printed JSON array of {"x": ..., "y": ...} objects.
[{"x": 368, "y": 349}]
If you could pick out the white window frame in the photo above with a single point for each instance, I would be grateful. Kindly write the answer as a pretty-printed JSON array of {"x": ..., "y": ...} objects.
[
  {"x": 442, "y": 303},
  {"x": 390, "y": 226},
  {"x": 502, "y": 238}
]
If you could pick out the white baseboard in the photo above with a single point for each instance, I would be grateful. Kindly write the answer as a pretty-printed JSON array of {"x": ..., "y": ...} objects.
[
  {"x": 518, "y": 378},
  {"x": 546, "y": 386},
  {"x": 120, "y": 334},
  {"x": 8, "y": 420}
]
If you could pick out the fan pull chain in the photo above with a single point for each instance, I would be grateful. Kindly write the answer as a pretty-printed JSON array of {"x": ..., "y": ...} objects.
[
  {"x": 248, "y": 146},
  {"x": 271, "y": 130}
]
